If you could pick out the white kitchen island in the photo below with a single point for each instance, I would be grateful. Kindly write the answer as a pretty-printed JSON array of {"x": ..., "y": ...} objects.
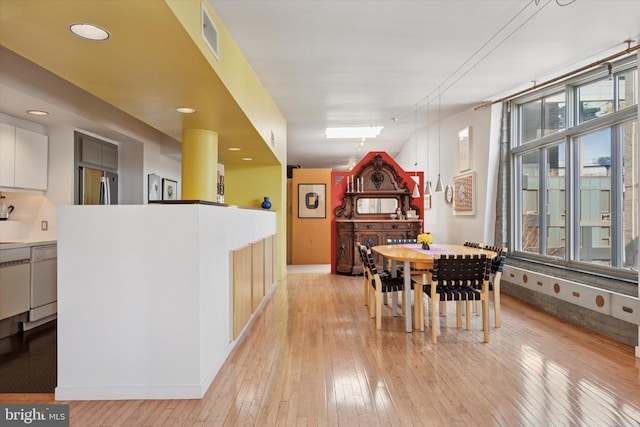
[{"x": 144, "y": 297}]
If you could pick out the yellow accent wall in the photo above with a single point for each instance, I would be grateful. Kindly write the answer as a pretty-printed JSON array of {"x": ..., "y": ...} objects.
[
  {"x": 199, "y": 164},
  {"x": 236, "y": 74},
  {"x": 310, "y": 238},
  {"x": 245, "y": 186}
]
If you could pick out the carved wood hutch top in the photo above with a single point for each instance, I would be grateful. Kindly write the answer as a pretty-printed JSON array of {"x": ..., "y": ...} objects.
[{"x": 374, "y": 208}]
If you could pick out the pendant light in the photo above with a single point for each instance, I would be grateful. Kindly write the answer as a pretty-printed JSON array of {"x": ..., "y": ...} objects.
[
  {"x": 416, "y": 190},
  {"x": 427, "y": 187},
  {"x": 439, "y": 186}
]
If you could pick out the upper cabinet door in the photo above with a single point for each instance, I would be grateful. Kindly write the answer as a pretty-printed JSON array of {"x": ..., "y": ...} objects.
[
  {"x": 7, "y": 154},
  {"x": 98, "y": 153},
  {"x": 31, "y": 160}
]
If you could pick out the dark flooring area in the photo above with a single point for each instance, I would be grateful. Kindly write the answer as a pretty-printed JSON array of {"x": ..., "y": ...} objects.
[{"x": 28, "y": 361}]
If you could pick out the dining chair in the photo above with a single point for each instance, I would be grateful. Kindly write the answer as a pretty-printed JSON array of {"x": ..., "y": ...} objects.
[
  {"x": 381, "y": 284},
  {"x": 417, "y": 274},
  {"x": 414, "y": 270},
  {"x": 497, "y": 264},
  {"x": 472, "y": 244},
  {"x": 362, "y": 250},
  {"x": 459, "y": 278},
  {"x": 366, "y": 273}
]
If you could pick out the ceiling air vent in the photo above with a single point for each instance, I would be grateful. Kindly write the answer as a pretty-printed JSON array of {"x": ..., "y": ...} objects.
[{"x": 209, "y": 32}]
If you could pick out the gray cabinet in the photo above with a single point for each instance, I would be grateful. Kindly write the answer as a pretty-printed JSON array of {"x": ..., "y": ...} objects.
[{"x": 99, "y": 153}]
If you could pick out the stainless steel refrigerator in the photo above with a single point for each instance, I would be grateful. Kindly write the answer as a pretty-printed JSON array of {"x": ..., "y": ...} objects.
[{"x": 98, "y": 187}]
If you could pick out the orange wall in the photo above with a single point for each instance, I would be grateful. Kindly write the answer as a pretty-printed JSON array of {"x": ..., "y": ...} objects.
[{"x": 310, "y": 239}]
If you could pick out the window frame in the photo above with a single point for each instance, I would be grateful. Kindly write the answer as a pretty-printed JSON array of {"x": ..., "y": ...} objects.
[{"x": 573, "y": 130}]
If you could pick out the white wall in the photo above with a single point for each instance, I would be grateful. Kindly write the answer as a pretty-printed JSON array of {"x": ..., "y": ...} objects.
[
  {"x": 159, "y": 163},
  {"x": 440, "y": 220}
]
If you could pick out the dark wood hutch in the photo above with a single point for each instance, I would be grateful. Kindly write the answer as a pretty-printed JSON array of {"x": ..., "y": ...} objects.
[{"x": 366, "y": 212}]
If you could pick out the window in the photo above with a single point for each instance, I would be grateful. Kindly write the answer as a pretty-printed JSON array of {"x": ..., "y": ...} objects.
[
  {"x": 594, "y": 193},
  {"x": 576, "y": 172},
  {"x": 542, "y": 117}
]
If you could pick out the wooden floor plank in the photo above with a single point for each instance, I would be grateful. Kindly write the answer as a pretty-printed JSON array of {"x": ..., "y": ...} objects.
[{"x": 312, "y": 357}]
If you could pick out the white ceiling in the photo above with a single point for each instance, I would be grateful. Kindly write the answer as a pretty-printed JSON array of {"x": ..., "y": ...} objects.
[
  {"x": 362, "y": 62},
  {"x": 325, "y": 63}
]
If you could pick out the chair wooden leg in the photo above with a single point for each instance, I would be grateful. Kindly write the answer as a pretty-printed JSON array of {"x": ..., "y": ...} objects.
[
  {"x": 485, "y": 319},
  {"x": 372, "y": 303},
  {"x": 458, "y": 314},
  {"x": 467, "y": 318},
  {"x": 443, "y": 308},
  {"x": 434, "y": 325},
  {"x": 366, "y": 290},
  {"x": 418, "y": 308},
  {"x": 394, "y": 304},
  {"x": 378, "y": 306},
  {"x": 496, "y": 297}
]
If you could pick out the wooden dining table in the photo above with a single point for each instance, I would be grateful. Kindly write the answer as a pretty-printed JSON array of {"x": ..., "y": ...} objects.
[{"x": 412, "y": 254}]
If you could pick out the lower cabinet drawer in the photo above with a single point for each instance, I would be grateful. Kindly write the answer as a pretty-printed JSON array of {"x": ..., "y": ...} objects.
[
  {"x": 367, "y": 226},
  {"x": 396, "y": 226}
]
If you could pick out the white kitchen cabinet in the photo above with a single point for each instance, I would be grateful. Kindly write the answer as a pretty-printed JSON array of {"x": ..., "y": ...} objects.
[
  {"x": 7, "y": 155},
  {"x": 15, "y": 273},
  {"x": 23, "y": 158}
]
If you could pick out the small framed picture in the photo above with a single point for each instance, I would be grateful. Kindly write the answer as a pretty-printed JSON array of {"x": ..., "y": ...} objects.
[
  {"x": 154, "y": 189},
  {"x": 169, "y": 189},
  {"x": 464, "y": 189},
  {"x": 464, "y": 149},
  {"x": 312, "y": 201}
]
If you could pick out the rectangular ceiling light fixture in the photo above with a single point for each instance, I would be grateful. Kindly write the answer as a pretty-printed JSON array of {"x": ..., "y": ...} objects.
[{"x": 354, "y": 132}]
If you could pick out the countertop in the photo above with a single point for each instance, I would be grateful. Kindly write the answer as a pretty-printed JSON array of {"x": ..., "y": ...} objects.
[{"x": 26, "y": 243}]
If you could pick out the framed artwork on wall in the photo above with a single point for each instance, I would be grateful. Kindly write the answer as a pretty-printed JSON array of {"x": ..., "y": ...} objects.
[
  {"x": 464, "y": 192},
  {"x": 464, "y": 149},
  {"x": 312, "y": 201},
  {"x": 169, "y": 189},
  {"x": 154, "y": 188}
]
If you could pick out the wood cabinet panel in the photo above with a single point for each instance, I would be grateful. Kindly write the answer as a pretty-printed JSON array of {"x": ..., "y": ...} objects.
[
  {"x": 368, "y": 233},
  {"x": 241, "y": 289},
  {"x": 257, "y": 279},
  {"x": 268, "y": 264},
  {"x": 254, "y": 269}
]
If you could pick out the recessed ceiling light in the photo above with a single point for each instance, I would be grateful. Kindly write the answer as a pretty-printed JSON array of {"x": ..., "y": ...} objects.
[
  {"x": 353, "y": 132},
  {"x": 37, "y": 112},
  {"x": 234, "y": 149},
  {"x": 247, "y": 158},
  {"x": 186, "y": 110},
  {"x": 89, "y": 31}
]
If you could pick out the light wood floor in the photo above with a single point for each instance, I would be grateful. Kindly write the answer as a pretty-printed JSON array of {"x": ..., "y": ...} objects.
[{"x": 313, "y": 357}]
